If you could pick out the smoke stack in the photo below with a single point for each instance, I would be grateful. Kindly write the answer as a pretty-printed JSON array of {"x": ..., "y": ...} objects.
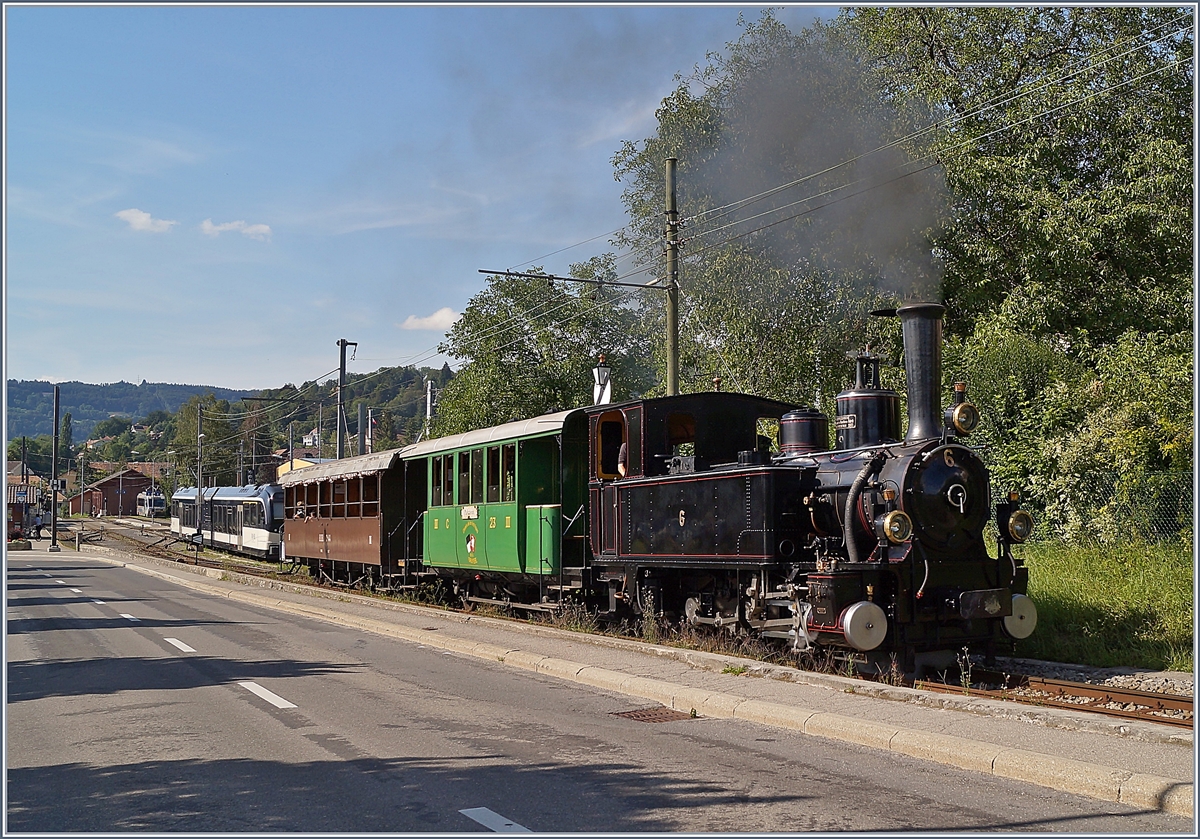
[{"x": 922, "y": 325}]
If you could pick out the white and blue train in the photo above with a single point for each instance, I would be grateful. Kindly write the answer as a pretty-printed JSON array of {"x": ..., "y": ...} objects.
[
  {"x": 246, "y": 520},
  {"x": 151, "y": 504}
]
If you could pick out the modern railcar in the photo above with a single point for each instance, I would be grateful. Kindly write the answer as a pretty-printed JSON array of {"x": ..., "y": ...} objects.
[
  {"x": 151, "y": 504},
  {"x": 246, "y": 520}
]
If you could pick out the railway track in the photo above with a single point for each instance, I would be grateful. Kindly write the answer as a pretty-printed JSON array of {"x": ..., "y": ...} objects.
[{"x": 1126, "y": 703}]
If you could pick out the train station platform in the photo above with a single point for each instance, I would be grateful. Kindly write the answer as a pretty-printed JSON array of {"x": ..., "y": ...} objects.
[{"x": 1143, "y": 765}]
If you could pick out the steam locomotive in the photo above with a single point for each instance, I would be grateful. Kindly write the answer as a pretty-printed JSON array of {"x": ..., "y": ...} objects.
[{"x": 684, "y": 508}]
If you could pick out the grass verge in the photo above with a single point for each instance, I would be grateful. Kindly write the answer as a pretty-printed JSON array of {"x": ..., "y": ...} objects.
[{"x": 1109, "y": 606}]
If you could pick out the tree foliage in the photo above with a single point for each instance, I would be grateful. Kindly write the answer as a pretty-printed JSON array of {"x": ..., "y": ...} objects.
[
  {"x": 530, "y": 346},
  {"x": 1066, "y": 138}
]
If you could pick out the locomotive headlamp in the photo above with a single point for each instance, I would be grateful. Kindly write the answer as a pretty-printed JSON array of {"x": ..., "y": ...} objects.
[
  {"x": 896, "y": 527},
  {"x": 1020, "y": 525},
  {"x": 963, "y": 418}
]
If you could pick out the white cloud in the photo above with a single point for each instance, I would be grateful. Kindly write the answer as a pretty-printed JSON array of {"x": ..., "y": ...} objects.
[
  {"x": 441, "y": 320},
  {"x": 254, "y": 231},
  {"x": 141, "y": 220}
]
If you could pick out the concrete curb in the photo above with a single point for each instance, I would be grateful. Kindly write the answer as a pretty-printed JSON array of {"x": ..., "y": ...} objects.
[{"x": 1088, "y": 779}]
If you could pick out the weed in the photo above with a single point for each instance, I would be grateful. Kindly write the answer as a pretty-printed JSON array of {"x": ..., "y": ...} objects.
[
  {"x": 964, "y": 670},
  {"x": 694, "y": 714},
  {"x": 735, "y": 669}
]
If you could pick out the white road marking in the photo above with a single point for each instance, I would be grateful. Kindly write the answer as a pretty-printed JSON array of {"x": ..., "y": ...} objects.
[
  {"x": 77, "y": 590},
  {"x": 61, "y": 582},
  {"x": 494, "y": 821},
  {"x": 177, "y": 643},
  {"x": 261, "y": 692},
  {"x": 129, "y": 617},
  {"x": 101, "y": 602}
]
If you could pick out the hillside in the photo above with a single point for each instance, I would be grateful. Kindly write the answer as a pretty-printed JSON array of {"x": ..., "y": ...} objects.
[{"x": 31, "y": 404}]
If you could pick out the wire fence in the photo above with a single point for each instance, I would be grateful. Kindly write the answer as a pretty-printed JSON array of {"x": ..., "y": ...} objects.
[{"x": 1114, "y": 507}]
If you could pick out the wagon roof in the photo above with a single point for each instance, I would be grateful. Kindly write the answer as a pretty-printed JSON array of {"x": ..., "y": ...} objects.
[
  {"x": 347, "y": 467},
  {"x": 535, "y": 427}
]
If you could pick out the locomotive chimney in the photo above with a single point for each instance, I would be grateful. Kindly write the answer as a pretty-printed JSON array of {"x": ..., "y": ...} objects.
[{"x": 922, "y": 325}]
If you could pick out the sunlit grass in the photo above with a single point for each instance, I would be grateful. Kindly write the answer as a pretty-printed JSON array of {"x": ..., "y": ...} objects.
[{"x": 1108, "y": 606}]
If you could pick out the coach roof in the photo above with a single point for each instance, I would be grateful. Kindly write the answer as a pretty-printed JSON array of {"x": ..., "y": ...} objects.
[
  {"x": 347, "y": 467},
  {"x": 536, "y": 427}
]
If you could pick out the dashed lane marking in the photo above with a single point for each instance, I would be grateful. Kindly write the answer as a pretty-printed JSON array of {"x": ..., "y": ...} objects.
[
  {"x": 261, "y": 692},
  {"x": 77, "y": 590},
  {"x": 61, "y": 582},
  {"x": 101, "y": 602},
  {"x": 175, "y": 642},
  {"x": 129, "y": 617},
  {"x": 494, "y": 821}
]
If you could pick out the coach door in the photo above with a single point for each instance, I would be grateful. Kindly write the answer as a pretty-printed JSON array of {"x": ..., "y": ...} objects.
[{"x": 237, "y": 523}]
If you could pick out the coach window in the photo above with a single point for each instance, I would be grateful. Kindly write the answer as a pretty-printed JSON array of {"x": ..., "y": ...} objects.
[
  {"x": 435, "y": 498},
  {"x": 370, "y": 496},
  {"x": 339, "y": 499},
  {"x": 448, "y": 480},
  {"x": 493, "y": 474},
  {"x": 354, "y": 498},
  {"x": 464, "y": 477},
  {"x": 477, "y": 476},
  {"x": 508, "y": 466}
]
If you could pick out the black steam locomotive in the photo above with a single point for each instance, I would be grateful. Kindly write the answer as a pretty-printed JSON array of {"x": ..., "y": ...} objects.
[{"x": 683, "y": 507}]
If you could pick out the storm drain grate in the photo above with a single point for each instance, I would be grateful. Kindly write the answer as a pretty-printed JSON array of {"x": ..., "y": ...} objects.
[{"x": 659, "y": 714}]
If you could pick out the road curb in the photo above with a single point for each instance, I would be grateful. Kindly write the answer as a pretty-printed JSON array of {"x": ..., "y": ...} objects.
[{"x": 1088, "y": 779}]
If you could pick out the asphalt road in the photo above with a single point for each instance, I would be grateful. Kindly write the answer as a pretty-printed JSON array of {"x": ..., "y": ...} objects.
[{"x": 137, "y": 705}]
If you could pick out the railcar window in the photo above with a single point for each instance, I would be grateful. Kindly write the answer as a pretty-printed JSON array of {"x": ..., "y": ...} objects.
[
  {"x": 493, "y": 474},
  {"x": 477, "y": 476},
  {"x": 464, "y": 477},
  {"x": 508, "y": 465},
  {"x": 448, "y": 482},
  {"x": 435, "y": 498},
  {"x": 370, "y": 496}
]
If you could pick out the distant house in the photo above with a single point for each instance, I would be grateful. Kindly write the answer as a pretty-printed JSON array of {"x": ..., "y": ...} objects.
[
  {"x": 311, "y": 438},
  {"x": 115, "y": 495}
]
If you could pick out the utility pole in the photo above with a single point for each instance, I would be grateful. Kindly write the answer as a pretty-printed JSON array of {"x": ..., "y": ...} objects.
[
  {"x": 341, "y": 408},
  {"x": 291, "y": 446},
  {"x": 241, "y": 475},
  {"x": 320, "y": 426},
  {"x": 362, "y": 428},
  {"x": 54, "y": 546},
  {"x": 199, "y": 470},
  {"x": 370, "y": 430},
  {"x": 672, "y": 235},
  {"x": 428, "y": 405}
]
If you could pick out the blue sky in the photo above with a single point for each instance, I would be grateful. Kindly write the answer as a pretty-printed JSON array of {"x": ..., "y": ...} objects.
[{"x": 216, "y": 195}]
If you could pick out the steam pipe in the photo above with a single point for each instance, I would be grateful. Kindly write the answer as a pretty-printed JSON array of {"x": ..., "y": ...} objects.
[
  {"x": 869, "y": 468},
  {"x": 922, "y": 327}
]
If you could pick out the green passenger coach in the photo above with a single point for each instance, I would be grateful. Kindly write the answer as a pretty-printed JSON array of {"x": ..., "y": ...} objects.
[{"x": 499, "y": 502}]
